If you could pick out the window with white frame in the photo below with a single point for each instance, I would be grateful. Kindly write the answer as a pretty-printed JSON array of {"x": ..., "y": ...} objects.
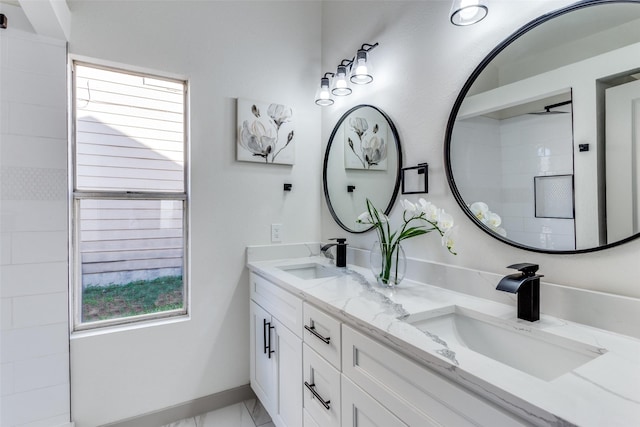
[{"x": 130, "y": 198}]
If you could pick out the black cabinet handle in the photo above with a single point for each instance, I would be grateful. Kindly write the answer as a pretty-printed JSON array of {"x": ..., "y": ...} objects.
[
  {"x": 266, "y": 335},
  {"x": 312, "y": 389},
  {"x": 313, "y": 331}
]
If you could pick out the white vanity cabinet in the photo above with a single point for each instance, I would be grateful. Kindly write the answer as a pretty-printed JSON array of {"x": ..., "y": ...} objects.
[
  {"x": 416, "y": 395},
  {"x": 309, "y": 369},
  {"x": 276, "y": 351}
]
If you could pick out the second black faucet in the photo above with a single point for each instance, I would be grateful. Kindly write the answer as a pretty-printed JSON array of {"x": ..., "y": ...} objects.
[{"x": 341, "y": 251}]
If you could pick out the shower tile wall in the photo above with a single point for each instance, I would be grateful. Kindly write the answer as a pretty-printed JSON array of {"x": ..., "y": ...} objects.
[
  {"x": 478, "y": 159},
  {"x": 33, "y": 231},
  {"x": 506, "y": 154},
  {"x": 535, "y": 145}
]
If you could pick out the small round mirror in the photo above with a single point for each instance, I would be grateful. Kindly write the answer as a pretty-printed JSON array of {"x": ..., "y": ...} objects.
[{"x": 362, "y": 161}]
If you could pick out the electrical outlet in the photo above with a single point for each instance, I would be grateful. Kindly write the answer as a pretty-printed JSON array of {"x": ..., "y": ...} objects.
[{"x": 276, "y": 233}]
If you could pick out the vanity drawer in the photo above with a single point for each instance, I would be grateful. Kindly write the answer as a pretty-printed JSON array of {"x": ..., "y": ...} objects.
[
  {"x": 422, "y": 396},
  {"x": 322, "y": 333},
  {"x": 320, "y": 377},
  {"x": 361, "y": 410},
  {"x": 282, "y": 305}
]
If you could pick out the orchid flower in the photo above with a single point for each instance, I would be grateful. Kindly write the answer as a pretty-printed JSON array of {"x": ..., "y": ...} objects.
[
  {"x": 448, "y": 239},
  {"x": 445, "y": 221},
  {"x": 491, "y": 219},
  {"x": 257, "y": 138},
  {"x": 479, "y": 210},
  {"x": 374, "y": 149},
  {"x": 429, "y": 209},
  {"x": 409, "y": 208},
  {"x": 279, "y": 114},
  {"x": 494, "y": 220},
  {"x": 359, "y": 125}
]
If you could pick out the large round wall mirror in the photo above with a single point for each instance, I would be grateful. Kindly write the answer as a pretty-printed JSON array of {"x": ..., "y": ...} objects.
[
  {"x": 362, "y": 161},
  {"x": 541, "y": 148}
]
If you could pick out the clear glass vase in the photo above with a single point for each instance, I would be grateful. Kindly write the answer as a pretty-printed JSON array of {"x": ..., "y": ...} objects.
[{"x": 388, "y": 263}]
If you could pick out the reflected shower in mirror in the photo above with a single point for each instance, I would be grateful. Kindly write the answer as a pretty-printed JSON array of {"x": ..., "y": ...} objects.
[
  {"x": 362, "y": 161},
  {"x": 543, "y": 131}
]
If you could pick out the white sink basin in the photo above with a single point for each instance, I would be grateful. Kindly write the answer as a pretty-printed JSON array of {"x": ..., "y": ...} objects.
[
  {"x": 515, "y": 344},
  {"x": 311, "y": 271}
]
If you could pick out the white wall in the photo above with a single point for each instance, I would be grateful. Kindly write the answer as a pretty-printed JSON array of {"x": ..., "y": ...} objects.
[
  {"x": 421, "y": 65},
  {"x": 267, "y": 51},
  {"x": 33, "y": 227}
]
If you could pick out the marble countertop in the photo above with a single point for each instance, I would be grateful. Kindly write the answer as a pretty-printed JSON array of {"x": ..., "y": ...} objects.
[{"x": 604, "y": 391}]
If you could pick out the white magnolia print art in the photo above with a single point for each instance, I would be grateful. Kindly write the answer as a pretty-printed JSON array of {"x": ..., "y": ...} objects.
[
  {"x": 265, "y": 133},
  {"x": 365, "y": 142}
]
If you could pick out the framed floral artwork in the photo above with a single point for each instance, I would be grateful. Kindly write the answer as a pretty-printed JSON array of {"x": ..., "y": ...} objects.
[
  {"x": 365, "y": 141},
  {"x": 265, "y": 133}
]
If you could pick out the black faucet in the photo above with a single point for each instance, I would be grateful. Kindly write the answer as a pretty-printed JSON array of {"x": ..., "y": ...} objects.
[
  {"x": 527, "y": 285},
  {"x": 341, "y": 251}
]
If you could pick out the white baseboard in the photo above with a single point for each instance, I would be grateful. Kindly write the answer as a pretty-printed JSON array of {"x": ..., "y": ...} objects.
[{"x": 187, "y": 409}]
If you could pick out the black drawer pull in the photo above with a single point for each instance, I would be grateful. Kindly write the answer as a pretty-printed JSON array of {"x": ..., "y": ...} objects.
[
  {"x": 266, "y": 335},
  {"x": 312, "y": 389},
  {"x": 312, "y": 329}
]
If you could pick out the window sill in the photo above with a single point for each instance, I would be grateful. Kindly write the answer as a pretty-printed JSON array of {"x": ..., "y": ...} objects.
[{"x": 141, "y": 324}]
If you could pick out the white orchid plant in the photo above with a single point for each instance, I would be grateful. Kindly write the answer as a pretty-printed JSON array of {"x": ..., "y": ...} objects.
[
  {"x": 491, "y": 219},
  {"x": 418, "y": 219}
]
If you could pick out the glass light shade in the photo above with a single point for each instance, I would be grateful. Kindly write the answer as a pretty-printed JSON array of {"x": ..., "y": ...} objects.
[
  {"x": 361, "y": 71},
  {"x": 323, "y": 95},
  {"x": 468, "y": 12},
  {"x": 340, "y": 82}
]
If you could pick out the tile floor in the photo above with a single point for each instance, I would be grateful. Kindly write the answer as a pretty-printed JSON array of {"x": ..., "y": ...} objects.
[{"x": 249, "y": 413}]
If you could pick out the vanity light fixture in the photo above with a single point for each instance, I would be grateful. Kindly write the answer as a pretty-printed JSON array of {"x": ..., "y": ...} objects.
[
  {"x": 468, "y": 12},
  {"x": 323, "y": 94},
  {"x": 356, "y": 70},
  {"x": 340, "y": 82}
]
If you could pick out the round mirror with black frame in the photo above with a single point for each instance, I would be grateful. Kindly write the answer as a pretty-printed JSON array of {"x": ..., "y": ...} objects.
[
  {"x": 539, "y": 147},
  {"x": 363, "y": 160}
]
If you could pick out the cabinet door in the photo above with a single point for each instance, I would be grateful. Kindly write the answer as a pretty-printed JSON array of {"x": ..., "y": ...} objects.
[
  {"x": 288, "y": 354},
  {"x": 263, "y": 367},
  {"x": 361, "y": 410}
]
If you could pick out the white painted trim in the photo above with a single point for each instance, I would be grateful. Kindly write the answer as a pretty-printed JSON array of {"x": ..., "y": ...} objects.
[
  {"x": 188, "y": 409},
  {"x": 127, "y": 67},
  {"x": 51, "y": 18}
]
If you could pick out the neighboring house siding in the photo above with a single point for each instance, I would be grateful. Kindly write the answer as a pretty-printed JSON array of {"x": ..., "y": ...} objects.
[
  {"x": 121, "y": 244},
  {"x": 129, "y": 137}
]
